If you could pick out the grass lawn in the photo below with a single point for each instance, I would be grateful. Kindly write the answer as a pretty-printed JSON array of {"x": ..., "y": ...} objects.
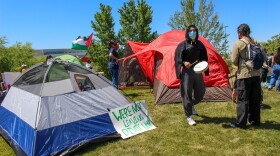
[{"x": 211, "y": 136}]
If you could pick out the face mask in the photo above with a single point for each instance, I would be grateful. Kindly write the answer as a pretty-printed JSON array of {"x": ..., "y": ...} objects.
[{"x": 192, "y": 34}]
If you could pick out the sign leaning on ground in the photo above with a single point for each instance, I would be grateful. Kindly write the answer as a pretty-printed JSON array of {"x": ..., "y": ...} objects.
[{"x": 131, "y": 119}]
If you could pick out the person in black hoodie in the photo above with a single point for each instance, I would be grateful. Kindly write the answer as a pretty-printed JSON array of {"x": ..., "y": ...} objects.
[{"x": 187, "y": 53}]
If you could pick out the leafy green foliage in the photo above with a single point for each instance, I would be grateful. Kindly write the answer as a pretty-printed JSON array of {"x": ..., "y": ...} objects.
[
  {"x": 135, "y": 20},
  {"x": 205, "y": 19},
  {"x": 103, "y": 26},
  {"x": 21, "y": 54},
  {"x": 100, "y": 56},
  {"x": 3, "y": 41},
  {"x": 273, "y": 44},
  {"x": 5, "y": 61},
  {"x": 11, "y": 58}
]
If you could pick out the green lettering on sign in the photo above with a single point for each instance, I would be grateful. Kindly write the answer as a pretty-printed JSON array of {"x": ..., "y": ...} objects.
[
  {"x": 123, "y": 113},
  {"x": 136, "y": 107},
  {"x": 118, "y": 117},
  {"x": 147, "y": 124}
]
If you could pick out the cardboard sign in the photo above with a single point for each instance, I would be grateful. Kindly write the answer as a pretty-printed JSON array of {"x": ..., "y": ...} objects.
[{"x": 131, "y": 119}]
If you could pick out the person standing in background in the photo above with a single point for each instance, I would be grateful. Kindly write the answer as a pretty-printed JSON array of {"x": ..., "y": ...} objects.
[
  {"x": 22, "y": 68},
  {"x": 49, "y": 59},
  {"x": 275, "y": 71},
  {"x": 264, "y": 70},
  {"x": 269, "y": 59},
  {"x": 88, "y": 64},
  {"x": 113, "y": 62}
]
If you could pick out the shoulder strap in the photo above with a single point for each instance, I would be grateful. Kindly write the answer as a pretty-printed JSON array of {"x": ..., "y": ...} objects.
[
  {"x": 248, "y": 49},
  {"x": 245, "y": 41}
]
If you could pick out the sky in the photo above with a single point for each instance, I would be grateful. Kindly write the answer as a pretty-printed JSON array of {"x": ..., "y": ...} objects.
[{"x": 54, "y": 24}]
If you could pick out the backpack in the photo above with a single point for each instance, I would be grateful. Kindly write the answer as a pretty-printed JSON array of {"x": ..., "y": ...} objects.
[{"x": 254, "y": 55}]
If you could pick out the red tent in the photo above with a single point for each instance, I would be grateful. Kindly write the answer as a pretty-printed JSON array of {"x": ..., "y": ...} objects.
[
  {"x": 164, "y": 71},
  {"x": 166, "y": 45}
]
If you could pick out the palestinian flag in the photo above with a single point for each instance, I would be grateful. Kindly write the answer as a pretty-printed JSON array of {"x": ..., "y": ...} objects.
[
  {"x": 82, "y": 43},
  {"x": 89, "y": 40}
]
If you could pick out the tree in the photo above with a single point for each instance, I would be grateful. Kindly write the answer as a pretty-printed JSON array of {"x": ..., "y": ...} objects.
[
  {"x": 103, "y": 26},
  {"x": 206, "y": 21},
  {"x": 3, "y": 41},
  {"x": 5, "y": 63},
  {"x": 21, "y": 54},
  {"x": 135, "y": 20},
  {"x": 11, "y": 58},
  {"x": 273, "y": 44}
]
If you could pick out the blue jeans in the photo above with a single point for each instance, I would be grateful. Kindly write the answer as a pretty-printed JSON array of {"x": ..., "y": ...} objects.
[
  {"x": 115, "y": 76},
  {"x": 275, "y": 76}
]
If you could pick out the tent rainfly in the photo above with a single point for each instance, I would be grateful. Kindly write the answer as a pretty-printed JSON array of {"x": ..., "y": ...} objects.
[{"x": 69, "y": 58}]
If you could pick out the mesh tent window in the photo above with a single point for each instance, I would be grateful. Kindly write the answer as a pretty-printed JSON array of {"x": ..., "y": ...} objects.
[{"x": 83, "y": 82}]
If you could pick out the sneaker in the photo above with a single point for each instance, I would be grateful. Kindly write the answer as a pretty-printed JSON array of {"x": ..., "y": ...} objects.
[
  {"x": 269, "y": 88},
  {"x": 194, "y": 112},
  {"x": 266, "y": 85},
  {"x": 234, "y": 125},
  {"x": 191, "y": 121}
]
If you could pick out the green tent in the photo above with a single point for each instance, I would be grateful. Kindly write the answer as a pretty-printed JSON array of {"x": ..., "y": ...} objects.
[{"x": 69, "y": 58}]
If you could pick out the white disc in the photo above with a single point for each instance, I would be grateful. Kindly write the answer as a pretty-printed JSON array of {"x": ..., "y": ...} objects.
[{"x": 200, "y": 67}]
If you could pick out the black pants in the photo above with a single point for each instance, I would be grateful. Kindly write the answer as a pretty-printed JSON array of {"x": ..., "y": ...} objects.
[
  {"x": 248, "y": 101},
  {"x": 264, "y": 72},
  {"x": 191, "y": 83}
]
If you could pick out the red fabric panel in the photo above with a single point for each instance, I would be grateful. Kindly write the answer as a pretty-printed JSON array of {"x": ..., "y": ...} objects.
[
  {"x": 89, "y": 41},
  {"x": 166, "y": 45},
  {"x": 3, "y": 86},
  {"x": 85, "y": 59},
  {"x": 146, "y": 59}
]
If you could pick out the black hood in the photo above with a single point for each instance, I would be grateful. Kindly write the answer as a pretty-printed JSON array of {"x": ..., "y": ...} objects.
[{"x": 187, "y": 32}]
